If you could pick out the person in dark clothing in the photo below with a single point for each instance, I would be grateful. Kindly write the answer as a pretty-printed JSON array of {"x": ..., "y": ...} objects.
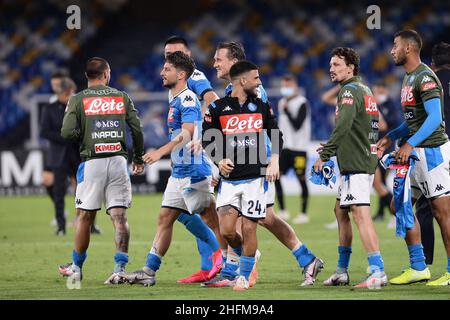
[
  {"x": 440, "y": 64},
  {"x": 63, "y": 158},
  {"x": 390, "y": 118}
]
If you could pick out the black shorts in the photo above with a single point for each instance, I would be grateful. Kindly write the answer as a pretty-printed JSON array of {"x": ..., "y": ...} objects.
[{"x": 293, "y": 159}]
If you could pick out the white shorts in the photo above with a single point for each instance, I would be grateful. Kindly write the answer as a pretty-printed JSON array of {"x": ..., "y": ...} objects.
[
  {"x": 103, "y": 180},
  {"x": 248, "y": 198},
  {"x": 354, "y": 189},
  {"x": 186, "y": 196},
  {"x": 270, "y": 195},
  {"x": 431, "y": 175}
]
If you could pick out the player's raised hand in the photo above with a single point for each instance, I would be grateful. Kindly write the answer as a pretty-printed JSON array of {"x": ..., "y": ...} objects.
[
  {"x": 152, "y": 156},
  {"x": 137, "y": 168},
  {"x": 382, "y": 145},
  {"x": 225, "y": 167}
]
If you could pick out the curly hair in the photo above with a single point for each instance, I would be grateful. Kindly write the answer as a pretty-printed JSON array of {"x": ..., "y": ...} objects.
[
  {"x": 182, "y": 62},
  {"x": 349, "y": 55}
]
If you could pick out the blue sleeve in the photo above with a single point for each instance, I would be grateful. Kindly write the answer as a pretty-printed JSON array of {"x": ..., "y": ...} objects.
[
  {"x": 399, "y": 132},
  {"x": 433, "y": 109},
  {"x": 199, "y": 84},
  {"x": 190, "y": 114},
  {"x": 262, "y": 94}
]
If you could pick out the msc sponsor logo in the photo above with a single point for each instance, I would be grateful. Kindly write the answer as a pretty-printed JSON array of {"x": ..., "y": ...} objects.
[
  {"x": 407, "y": 96},
  {"x": 106, "y": 124},
  {"x": 103, "y": 105},
  {"x": 107, "y": 134},
  {"x": 409, "y": 115},
  {"x": 247, "y": 142},
  {"x": 374, "y": 124},
  {"x": 107, "y": 147},
  {"x": 241, "y": 123},
  {"x": 371, "y": 105}
]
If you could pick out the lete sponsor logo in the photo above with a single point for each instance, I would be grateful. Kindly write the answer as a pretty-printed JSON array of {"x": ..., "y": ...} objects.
[
  {"x": 371, "y": 105},
  {"x": 408, "y": 96},
  {"x": 241, "y": 123},
  {"x": 107, "y": 147},
  {"x": 103, "y": 105}
]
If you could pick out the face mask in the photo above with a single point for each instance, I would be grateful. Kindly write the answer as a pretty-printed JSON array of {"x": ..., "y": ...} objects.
[{"x": 287, "y": 91}]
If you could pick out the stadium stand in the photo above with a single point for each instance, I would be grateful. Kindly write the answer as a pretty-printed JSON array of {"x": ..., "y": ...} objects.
[{"x": 279, "y": 36}]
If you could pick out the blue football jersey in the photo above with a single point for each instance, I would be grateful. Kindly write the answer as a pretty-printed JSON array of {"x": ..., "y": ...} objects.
[
  {"x": 185, "y": 108},
  {"x": 198, "y": 83},
  {"x": 262, "y": 94}
]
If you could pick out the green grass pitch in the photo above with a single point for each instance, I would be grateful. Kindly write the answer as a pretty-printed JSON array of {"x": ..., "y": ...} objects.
[{"x": 30, "y": 254}]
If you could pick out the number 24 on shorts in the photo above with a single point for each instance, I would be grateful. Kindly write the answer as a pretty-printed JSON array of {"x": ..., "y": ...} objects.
[{"x": 255, "y": 207}]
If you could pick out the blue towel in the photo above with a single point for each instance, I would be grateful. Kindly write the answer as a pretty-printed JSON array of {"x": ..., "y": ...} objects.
[
  {"x": 402, "y": 192},
  {"x": 326, "y": 177}
]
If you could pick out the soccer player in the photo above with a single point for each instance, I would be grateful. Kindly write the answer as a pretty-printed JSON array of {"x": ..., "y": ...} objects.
[
  {"x": 189, "y": 187},
  {"x": 232, "y": 138},
  {"x": 96, "y": 118},
  {"x": 353, "y": 143},
  {"x": 295, "y": 122},
  {"x": 440, "y": 63},
  {"x": 210, "y": 262},
  {"x": 226, "y": 55},
  {"x": 424, "y": 132}
]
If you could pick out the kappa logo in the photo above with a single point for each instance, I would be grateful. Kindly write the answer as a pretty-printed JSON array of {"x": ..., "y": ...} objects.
[
  {"x": 188, "y": 98},
  {"x": 347, "y": 94},
  {"x": 78, "y": 202},
  {"x": 349, "y": 197},
  {"x": 227, "y": 108},
  {"x": 426, "y": 79},
  {"x": 439, "y": 187}
]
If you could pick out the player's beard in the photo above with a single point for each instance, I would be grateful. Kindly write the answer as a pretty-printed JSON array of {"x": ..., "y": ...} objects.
[
  {"x": 251, "y": 93},
  {"x": 401, "y": 60},
  {"x": 169, "y": 85}
]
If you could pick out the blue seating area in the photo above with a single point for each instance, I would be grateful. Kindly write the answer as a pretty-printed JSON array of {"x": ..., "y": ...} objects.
[
  {"x": 34, "y": 42},
  {"x": 298, "y": 40},
  {"x": 292, "y": 38}
]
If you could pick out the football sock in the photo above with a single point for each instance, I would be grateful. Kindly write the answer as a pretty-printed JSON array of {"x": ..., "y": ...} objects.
[
  {"x": 246, "y": 265},
  {"x": 78, "y": 258},
  {"x": 121, "y": 260},
  {"x": 344, "y": 258},
  {"x": 232, "y": 263},
  {"x": 416, "y": 257},
  {"x": 205, "y": 254},
  {"x": 375, "y": 261},
  {"x": 153, "y": 260},
  {"x": 199, "y": 229},
  {"x": 303, "y": 255}
]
